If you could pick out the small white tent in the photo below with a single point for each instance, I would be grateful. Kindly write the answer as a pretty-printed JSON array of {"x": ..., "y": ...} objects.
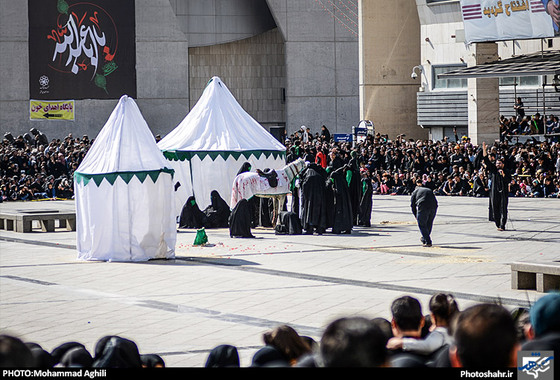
[
  {"x": 124, "y": 193},
  {"x": 209, "y": 146}
]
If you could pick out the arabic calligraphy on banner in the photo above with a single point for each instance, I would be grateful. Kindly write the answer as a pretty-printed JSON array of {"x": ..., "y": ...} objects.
[
  {"x": 51, "y": 110},
  {"x": 82, "y": 50},
  {"x": 497, "y": 20}
]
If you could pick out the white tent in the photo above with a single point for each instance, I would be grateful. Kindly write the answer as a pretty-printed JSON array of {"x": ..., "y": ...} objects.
[
  {"x": 209, "y": 146},
  {"x": 124, "y": 193}
]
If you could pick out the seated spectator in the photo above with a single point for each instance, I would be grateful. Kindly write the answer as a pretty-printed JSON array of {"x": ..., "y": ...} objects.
[
  {"x": 224, "y": 355},
  {"x": 407, "y": 323},
  {"x": 14, "y": 353},
  {"x": 288, "y": 342},
  {"x": 353, "y": 342},
  {"x": 544, "y": 331},
  {"x": 485, "y": 336},
  {"x": 443, "y": 308},
  {"x": 117, "y": 352},
  {"x": 152, "y": 361}
]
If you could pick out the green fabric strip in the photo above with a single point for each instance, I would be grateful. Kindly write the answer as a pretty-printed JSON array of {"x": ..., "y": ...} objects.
[
  {"x": 178, "y": 155},
  {"x": 126, "y": 176}
]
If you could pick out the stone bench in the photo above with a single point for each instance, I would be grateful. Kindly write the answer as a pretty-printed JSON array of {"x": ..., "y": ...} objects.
[
  {"x": 541, "y": 277},
  {"x": 23, "y": 221}
]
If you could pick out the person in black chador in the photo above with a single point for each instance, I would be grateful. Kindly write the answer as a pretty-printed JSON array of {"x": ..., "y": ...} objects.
[
  {"x": 354, "y": 186},
  {"x": 191, "y": 216},
  {"x": 424, "y": 207},
  {"x": 217, "y": 214},
  {"x": 366, "y": 202},
  {"x": 499, "y": 179},
  {"x": 313, "y": 208},
  {"x": 342, "y": 218},
  {"x": 246, "y": 167},
  {"x": 240, "y": 220}
]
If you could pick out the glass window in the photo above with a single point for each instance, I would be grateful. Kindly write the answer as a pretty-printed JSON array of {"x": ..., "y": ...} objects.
[
  {"x": 531, "y": 81},
  {"x": 453, "y": 83}
]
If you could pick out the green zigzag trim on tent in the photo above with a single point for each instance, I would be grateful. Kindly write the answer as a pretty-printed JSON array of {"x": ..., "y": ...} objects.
[
  {"x": 126, "y": 176},
  {"x": 177, "y": 155}
]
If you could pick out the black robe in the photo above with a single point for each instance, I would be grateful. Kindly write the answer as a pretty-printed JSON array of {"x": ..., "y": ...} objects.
[
  {"x": 342, "y": 218},
  {"x": 498, "y": 194},
  {"x": 191, "y": 216},
  {"x": 217, "y": 214},
  {"x": 366, "y": 203},
  {"x": 240, "y": 220},
  {"x": 354, "y": 188},
  {"x": 313, "y": 210},
  {"x": 288, "y": 224}
]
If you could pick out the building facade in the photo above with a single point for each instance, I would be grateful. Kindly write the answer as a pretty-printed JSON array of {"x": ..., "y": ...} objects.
[{"x": 288, "y": 62}]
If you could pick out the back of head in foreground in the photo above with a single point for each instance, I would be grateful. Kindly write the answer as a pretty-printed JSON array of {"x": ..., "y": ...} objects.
[
  {"x": 485, "y": 337},
  {"x": 353, "y": 342}
]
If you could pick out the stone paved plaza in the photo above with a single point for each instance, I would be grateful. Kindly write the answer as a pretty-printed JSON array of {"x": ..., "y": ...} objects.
[{"x": 233, "y": 290}]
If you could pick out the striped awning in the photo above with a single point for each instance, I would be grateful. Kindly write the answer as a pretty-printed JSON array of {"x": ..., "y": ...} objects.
[{"x": 541, "y": 63}]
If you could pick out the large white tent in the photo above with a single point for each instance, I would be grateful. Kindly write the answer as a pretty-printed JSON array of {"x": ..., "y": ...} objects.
[
  {"x": 211, "y": 143},
  {"x": 124, "y": 193}
]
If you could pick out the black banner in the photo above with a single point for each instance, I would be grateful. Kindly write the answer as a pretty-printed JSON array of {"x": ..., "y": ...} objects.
[{"x": 81, "y": 49}]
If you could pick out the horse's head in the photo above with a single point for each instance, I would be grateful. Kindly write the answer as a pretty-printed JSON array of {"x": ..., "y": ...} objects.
[
  {"x": 293, "y": 169},
  {"x": 299, "y": 165}
]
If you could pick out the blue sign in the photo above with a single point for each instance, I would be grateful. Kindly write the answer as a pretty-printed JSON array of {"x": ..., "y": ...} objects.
[{"x": 340, "y": 137}]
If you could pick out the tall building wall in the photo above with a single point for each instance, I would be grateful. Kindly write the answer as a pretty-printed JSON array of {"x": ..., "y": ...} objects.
[
  {"x": 254, "y": 69},
  {"x": 305, "y": 72},
  {"x": 161, "y": 74},
  {"x": 389, "y": 49},
  {"x": 321, "y": 63}
]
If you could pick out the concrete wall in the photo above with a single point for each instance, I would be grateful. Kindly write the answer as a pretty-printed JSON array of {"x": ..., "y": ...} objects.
[
  {"x": 254, "y": 70},
  {"x": 212, "y": 22},
  {"x": 315, "y": 61},
  {"x": 321, "y": 64},
  {"x": 389, "y": 49},
  {"x": 162, "y": 74}
]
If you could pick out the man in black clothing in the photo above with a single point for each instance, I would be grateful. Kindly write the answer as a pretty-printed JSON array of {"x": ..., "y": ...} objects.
[
  {"x": 424, "y": 206},
  {"x": 499, "y": 180}
]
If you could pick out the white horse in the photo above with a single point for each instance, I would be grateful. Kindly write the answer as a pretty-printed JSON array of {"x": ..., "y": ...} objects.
[{"x": 249, "y": 184}]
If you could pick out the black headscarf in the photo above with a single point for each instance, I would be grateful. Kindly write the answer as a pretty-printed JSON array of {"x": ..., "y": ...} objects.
[
  {"x": 43, "y": 359},
  {"x": 223, "y": 356},
  {"x": 119, "y": 353},
  {"x": 59, "y": 351},
  {"x": 77, "y": 357},
  {"x": 246, "y": 167},
  {"x": 269, "y": 356},
  {"x": 152, "y": 361}
]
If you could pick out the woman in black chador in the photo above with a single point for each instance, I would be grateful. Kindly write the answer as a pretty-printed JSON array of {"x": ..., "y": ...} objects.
[
  {"x": 366, "y": 202},
  {"x": 217, "y": 214},
  {"x": 191, "y": 216},
  {"x": 342, "y": 218},
  {"x": 240, "y": 220}
]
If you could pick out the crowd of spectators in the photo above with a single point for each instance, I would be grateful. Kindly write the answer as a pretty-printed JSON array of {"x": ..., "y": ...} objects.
[
  {"x": 523, "y": 124},
  {"x": 34, "y": 168},
  {"x": 450, "y": 167},
  {"x": 484, "y": 336}
]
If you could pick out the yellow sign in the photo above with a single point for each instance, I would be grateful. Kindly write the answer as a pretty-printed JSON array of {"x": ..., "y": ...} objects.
[{"x": 51, "y": 110}]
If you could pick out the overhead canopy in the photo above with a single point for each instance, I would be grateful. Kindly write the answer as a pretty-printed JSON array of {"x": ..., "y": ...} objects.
[
  {"x": 208, "y": 147},
  {"x": 541, "y": 63}
]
